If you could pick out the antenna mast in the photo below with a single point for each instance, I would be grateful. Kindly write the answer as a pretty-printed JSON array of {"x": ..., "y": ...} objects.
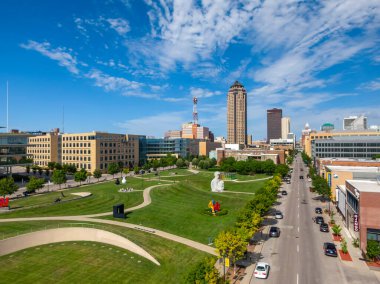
[
  {"x": 7, "y": 111},
  {"x": 195, "y": 111}
]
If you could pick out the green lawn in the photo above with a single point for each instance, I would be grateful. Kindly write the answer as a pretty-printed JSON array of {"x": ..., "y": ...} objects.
[
  {"x": 88, "y": 262},
  {"x": 104, "y": 196},
  {"x": 170, "y": 173},
  {"x": 178, "y": 209}
]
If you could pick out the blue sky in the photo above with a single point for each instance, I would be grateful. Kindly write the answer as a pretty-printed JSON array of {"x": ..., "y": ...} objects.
[{"x": 133, "y": 66}]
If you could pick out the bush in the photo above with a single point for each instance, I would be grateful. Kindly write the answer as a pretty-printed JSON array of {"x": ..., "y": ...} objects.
[
  {"x": 373, "y": 249},
  {"x": 336, "y": 229},
  {"x": 355, "y": 242},
  {"x": 343, "y": 246},
  {"x": 204, "y": 272}
]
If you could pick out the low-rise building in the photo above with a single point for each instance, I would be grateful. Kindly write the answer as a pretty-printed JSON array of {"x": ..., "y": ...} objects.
[
  {"x": 45, "y": 148},
  {"x": 363, "y": 210},
  {"x": 277, "y": 156}
]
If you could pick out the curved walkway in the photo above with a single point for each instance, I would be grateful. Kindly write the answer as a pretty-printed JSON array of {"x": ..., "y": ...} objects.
[
  {"x": 70, "y": 234},
  {"x": 251, "y": 180}
]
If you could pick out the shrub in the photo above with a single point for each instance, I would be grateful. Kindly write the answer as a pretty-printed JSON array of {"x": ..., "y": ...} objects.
[
  {"x": 355, "y": 242},
  {"x": 373, "y": 249},
  {"x": 336, "y": 229},
  {"x": 343, "y": 246}
]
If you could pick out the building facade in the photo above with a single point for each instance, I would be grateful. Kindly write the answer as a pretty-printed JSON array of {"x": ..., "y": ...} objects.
[
  {"x": 355, "y": 123},
  {"x": 285, "y": 127},
  {"x": 160, "y": 147},
  {"x": 274, "y": 117},
  {"x": 45, "y": 148},
  {"x": 237, "y": 114}
]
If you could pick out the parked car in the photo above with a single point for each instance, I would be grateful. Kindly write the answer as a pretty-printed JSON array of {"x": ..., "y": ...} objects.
[
  {"x": 288, "y": 181},
  {"x": 274, "y": 232},
  {"x": 318, "y": 210},
  {"x": 301, "y": 177},
  {"x": 319, "y": 220},
  {"x": 324, "y": 228},
  {"x": 278, "y": 215},
  {"x": 284, "y": 192},
  {"x": 262, "y": 270},
  {"x": 330, "y": 249}
]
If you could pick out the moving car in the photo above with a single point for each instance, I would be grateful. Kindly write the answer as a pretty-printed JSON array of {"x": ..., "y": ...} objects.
[
  {"x": 261, "y": 270},
  {"x": 278, "y": 215},
  {"x": 324, "y": 228},
  {"x": 319, "y": 220},
  {"x": 330, "y": 249},
  {"x": 318, "y": 210},
  {"x": 274, "y": 232},
  {"x": 284, "y": 192}
]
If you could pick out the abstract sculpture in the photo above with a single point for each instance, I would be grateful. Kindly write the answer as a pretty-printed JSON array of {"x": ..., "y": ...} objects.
[{"x": 217, "y": 185}]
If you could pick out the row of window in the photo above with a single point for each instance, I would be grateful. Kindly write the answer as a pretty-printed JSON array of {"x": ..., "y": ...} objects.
[
  {"x": 348, "y": 150},
  {"x": 76, "y": 151},
  {"x": 77, "y": 145},
  {"x": 81, "y": 165},
  {"x": 38, "y": 151},
  {"x": 343, "y": 155},
  {"x": 41, "y": 157},
  {"x": 367, "y": 144},
  {"x": 76, "y": 158},
  {"x": 39, "y": 139},
  {"x": 109, "y": 158}
]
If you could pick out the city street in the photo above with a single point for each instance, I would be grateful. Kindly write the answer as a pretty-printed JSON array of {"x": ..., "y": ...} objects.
[{"x": 297, "y": 255}]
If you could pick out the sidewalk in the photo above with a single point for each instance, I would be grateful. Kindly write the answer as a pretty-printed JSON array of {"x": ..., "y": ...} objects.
[{"x": 357, "y": 259}]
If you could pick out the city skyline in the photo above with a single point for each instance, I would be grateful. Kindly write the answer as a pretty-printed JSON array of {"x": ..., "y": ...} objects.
[{"x": 116, "y": 70}]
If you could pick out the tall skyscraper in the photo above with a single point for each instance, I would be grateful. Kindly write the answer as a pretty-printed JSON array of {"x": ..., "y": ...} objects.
[
  {"x": 285, "y": 127},
  {"x": 237, "y": 114},
  {"x": 274, "y": 117}
]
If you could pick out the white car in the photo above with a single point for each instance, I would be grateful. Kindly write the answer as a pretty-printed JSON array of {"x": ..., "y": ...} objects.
[
  {"x": 278, "y": 215},
  {"x": 261, "y": 270}
]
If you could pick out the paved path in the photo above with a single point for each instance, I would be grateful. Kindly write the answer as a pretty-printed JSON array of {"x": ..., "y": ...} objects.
[
  {"x": 245, "y": 181},
  {"x": 239, "y": 192},
  {"x": 146, "y": 202}
]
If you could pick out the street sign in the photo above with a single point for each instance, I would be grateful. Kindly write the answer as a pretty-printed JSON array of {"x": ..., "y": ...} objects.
[
  {"x": 356, "y": 222},
  {"x": 227, "y": 262}
]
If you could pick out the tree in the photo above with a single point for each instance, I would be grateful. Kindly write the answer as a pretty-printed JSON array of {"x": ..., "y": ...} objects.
[
  {"x": 34, "y": 184},
  {"x": 40, "y": 171},
  {"x": 7, "y": 186},
  {"x": 136, "y": 169},
  {"x": 195, "y": 162},
  {"x": 204, "y": 272},
  {"x": 377, "y": 156},
  {"x": 113, "y": 168},
  {"x": 34, "y": 169},
  {"x": 27, "y": 168},
  {"x": 59, "y": 177},
  {"x": 97, "y": 174},
  {"x": 80, "y": 176},
  {"x": 373, "y": 249},
  {"x": 180, "y": 163},
  {"x": 51, "y": 165},
  {"x": 282, "y": 170},
  {"x": 47, "y": 172},
  {"x": 231, "y": 244}
]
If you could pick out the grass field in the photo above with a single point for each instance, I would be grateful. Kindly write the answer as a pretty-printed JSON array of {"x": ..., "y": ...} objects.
[
  {"x": 179, "y": 208},
  {"x": 87, "y": 262},
  {"x": 104, "y": 196}
]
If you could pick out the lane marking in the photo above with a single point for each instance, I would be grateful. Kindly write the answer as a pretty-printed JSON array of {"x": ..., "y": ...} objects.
[
  {"x": 298, "y": 248},
  {"x": 297, "y": 278},
  {"x": 298, "y": 229}
]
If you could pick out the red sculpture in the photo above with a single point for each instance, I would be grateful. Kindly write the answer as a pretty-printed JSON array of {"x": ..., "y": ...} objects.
[{"x": 4, "y": 202}]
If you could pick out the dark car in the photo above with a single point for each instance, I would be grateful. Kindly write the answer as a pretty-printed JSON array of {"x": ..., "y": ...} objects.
[
  {"x": 319, "y": 220},
  {"x": 330, "y": 249},
  {"x": 274, "y": 232},
  {"x": 301, "y": 177},
  {"x": 288, "y": 181},
  {"x": 284, "y": 192},
  {"x": 318, "y": 210},
  {"x": 324, "y": 228}
]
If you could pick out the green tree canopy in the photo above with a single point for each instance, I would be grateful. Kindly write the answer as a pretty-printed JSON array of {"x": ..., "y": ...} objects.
[
  {"x": 7, "y": 186},
  {"x": 97, "y": 174},
  {"x": 34, "y": 184},
  {"x": 59, "y": 177},
  {"x": 80, "y": 176},
  {"x": 113, "y": 168}
]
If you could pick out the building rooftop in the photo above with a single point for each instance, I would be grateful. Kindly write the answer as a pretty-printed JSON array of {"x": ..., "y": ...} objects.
[
  {"x": 365, "y": 185},
  {"x": 237, "y": 84},
  {"x": 354, "y": 169}
]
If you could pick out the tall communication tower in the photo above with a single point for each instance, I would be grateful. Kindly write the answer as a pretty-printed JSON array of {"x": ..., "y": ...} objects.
[{"x": 195, "y": 111}]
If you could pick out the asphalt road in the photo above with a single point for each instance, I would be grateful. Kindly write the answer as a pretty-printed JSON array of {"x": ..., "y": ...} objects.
[{"x": 297, "y": 257}]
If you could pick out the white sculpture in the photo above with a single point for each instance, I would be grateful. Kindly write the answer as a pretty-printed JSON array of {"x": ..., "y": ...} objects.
[
  {"x": 123, "y": 181},
  {"x": 217, "y": 185}
]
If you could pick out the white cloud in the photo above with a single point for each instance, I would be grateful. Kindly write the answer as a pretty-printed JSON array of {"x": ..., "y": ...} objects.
[
  {"x": 111, "y": 83},
  {"x": 61, "y": 54},
  {"x": 155, "y": 125},
  {"x": 203, "y": 93},
  {"x": 373, "y": 85},
  {"x": 120, "y": 25}
]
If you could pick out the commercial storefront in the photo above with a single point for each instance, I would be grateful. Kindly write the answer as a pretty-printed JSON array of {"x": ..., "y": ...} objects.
[{"x": 363, "y": 210}]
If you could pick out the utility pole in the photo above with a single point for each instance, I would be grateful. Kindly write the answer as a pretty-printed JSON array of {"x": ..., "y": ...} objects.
[{"x": 7, "y": 110}]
